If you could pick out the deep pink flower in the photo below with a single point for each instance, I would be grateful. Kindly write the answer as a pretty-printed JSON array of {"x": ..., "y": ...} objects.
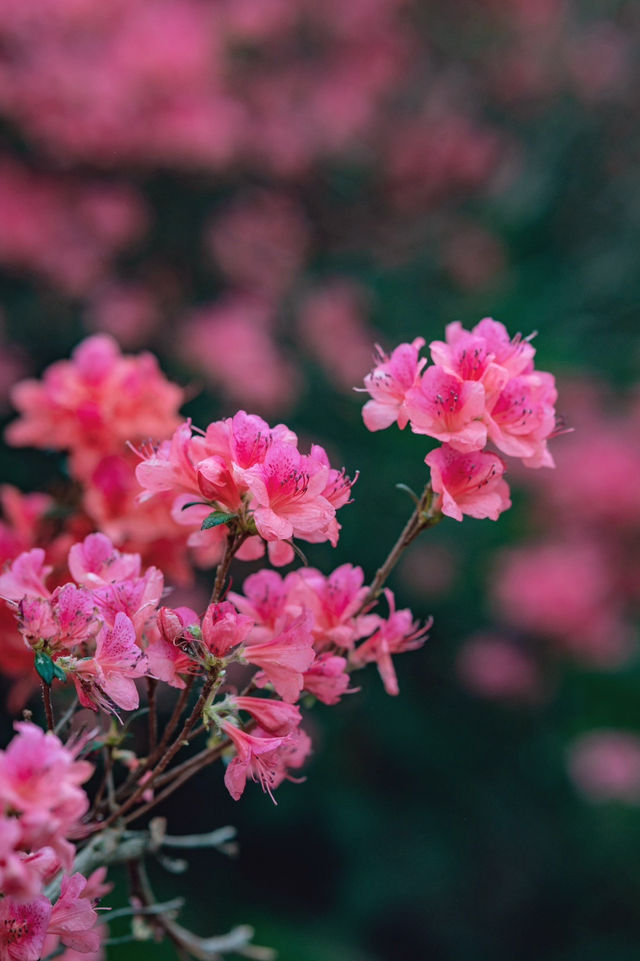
[
  {"x": 444, "y": 406},
  {"x": 334, "y": 602},
  {"x": 286, "y": 495},
  {"x": 23, "y": 927},
  {"x": 388, "y": 384},
  {"x": 468, "y": 483}
]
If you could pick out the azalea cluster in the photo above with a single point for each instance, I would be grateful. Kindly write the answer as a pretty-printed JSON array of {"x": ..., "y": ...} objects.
[
  {"x": 41, "y": 807},
  {"x": 242, "y": 472},
  {"x": 480, "y": 388},
  {"x": 90, "y": 628}
]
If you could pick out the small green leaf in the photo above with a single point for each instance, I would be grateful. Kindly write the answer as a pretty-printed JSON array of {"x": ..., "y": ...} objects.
[
  {"x": 216, "y": 518},
  {"x": 194, "y": 504},
  {"x": 58, "y": 672},
  {"x": 44, "y": 666}
]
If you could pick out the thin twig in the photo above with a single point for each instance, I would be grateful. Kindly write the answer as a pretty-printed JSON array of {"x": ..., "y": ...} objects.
[{"x": 152, "y": 685}]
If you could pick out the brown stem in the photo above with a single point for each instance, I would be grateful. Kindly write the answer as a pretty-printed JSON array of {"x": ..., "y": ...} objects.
[
  {"x": 152, "y": 685},
  {"x": 48, "y": 706},
  {"x": 424, "y": 516},
  {"x": 234, "y": 542}
]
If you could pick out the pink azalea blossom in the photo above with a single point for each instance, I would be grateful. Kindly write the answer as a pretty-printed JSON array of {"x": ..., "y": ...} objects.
[
  {"x": 26, "y": 575},
  {"x": 256, "y": 757},
  {"x": 265, "y": 599},
  {"x": 67, "y": 619},
  {"x": 95, "y": 562},
  {"x": 73, "y": 918},
  {"x": 223, "y": 628},
  {"x": 273, "y": 716},
  {"x": 327, "y": 678},
  {"x": 167, "y": 661},
  {"x": 443, "y": 406},
  {"x": 286, "y": 657},
  {"x": 108, "y": 677},
  {"x": 523, "y": 418},
  {"x": 468, "y": 483},
  {"x": 23, "y": 927},
  {"x": 388, "y": 384},
  {"x": 334, "y": 602},
  {"x": 94, "y": 403},
  {"x": 395, "y": 635}
]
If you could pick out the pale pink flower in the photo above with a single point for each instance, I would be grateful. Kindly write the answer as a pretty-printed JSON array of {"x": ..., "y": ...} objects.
[
  {"x": 73, "y": 918},
  {"x": 286, "y": 657},
  {"x": 95, "y": 562},
  {"x": 444, "y": 406},
  {"x": 388, "y": 384},
  {"x": 26, "y": 575},
  {"x": 395, "y": 635},
  {"x": 468, "y": 483},
  {"x": 605, "y": 765},
  {"x": 23, "y": 927}
]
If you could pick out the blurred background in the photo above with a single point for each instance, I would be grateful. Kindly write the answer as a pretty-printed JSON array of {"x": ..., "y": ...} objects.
[{"x": 258, "y": 191}]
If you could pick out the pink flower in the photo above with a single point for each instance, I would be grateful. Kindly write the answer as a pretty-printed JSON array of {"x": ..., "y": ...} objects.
[
  {"x": 443, "y": 406},
  {"x": 327, "y": 678},
  {"x": 67, "y": 619},
  {"x": 334, "y": 602},
  {"x": 265, "y": 599},
  {"x": 256, "y": 757},
  {"x": 605, "y": 766},
  {"x": 94, "y": 403},
  {"x": 95, "y": 562},
  {"x": 23, "y": 927},
  {"x": 26, "y": 575},
  {"x": 108, "y": 677},
  {"x": 223, "y": 628},
  {"x": 468, "y": 483},
  {"x": 272, "y": 715},
  {"x": 286, "y": 492},
  {"x": 73, "y": 918},
  {"x": 397, "y": 634},
  {"x": 523, "y": 418},
  {"x": 286, "y": 657},
  {"x": 388, "y": 384}
]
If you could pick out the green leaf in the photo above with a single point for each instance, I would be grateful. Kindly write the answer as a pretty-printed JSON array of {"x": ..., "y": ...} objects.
[
  {"x": 194, "y": 504},
  {"x": 58, "y": 672},
  {"x": 44, "y": 666},
  {"x": 216, "y": 518}
]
